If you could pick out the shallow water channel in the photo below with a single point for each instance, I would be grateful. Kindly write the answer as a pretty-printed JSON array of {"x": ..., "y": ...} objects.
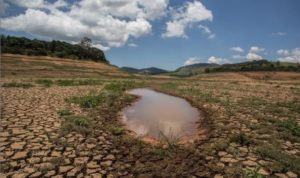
[{"x": 161, "y": 116}]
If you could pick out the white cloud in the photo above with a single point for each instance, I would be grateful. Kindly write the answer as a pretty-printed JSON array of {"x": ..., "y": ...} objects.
[
  {"x": 107, "y": 23},
  {"x": 253, "y": 53},
  {"x": 186, "y": 16},
  {"x": 212, "y": 59},
  {"x": 192, "y": 60},
  {"x": 237, "y": 49},
  {"x": 283, "y": 52},
  {"x": 279, "y": 34},
  {"x": 103, "y": 48},
  {"x": 207, "y": 31},
  {"x": 212, "y": 36},
  {"x": 253, "y": 56},
  {"x": 256, "y": 49},
  {"x": 217, "y": 60},
  {"x": 290, "y": 56},
  {"x": 238, "y": 56},
  {"x": 133, "y": 45},
  {"x": 3, "y": 7},
  {"x": 29, "y": 4}
]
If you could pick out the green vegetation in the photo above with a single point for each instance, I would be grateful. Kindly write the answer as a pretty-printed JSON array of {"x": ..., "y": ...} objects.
[
  {"x": 285, "y": 161},
  {"x": 44, "y": 82},
  {"x": 290, "y": 126},
  {"x": 25, "y": 46},
  {"x": 64, "y": 112},
  {"x": 260, "y": 65},
  {"x": 78, "y": 82},
  {"x": 68, "y": 82},
  {"x": 241, "y": 139},
  {"x": 171, "y": 140},
  {"x": 253, "y": 173},
  {"x": 88, "y": 101},
  {"x": 291, "y": 105},
  {"x": 57, "y": 161},
  {"x": 194, "y": 69},
  {"x": 17, "y": 85},
  {"x": 79, "y": 124},
  {"x": 116, "y": 130},
  {"x": 148, "y": 71},
  {"x": 111, "y": 92}
]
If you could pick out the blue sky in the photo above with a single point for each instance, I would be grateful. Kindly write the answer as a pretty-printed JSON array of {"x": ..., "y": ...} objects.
[{"x": 165, "y": 34}]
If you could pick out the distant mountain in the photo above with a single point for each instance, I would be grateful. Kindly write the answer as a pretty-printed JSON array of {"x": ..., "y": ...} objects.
[
  {"x": 130, "y": 69},
  {"x": 148, "y": 71},
  {"x": 256, "y": 65},
  {"x": 193, "y": 69}
]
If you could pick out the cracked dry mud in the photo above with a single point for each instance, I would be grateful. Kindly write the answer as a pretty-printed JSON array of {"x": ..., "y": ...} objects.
[
  {"x": 29, "y": 137},
  {"x": 31, "y": 144}
]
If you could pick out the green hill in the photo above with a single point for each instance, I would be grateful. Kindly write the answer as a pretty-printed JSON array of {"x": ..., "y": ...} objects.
[
  {"x": 25, "y": 46},
  {"x": 193, "y": 69},
  {"x": 259, "y": 65},
  {"x": 147, "y": 71}
]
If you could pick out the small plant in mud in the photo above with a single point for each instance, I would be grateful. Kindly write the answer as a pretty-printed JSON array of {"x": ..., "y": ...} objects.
[
  {"x": 79, "y": 124},
  {"x": 116, "y": 130},
  {"x": 78, "y": 82},
  {"x": 62, "y": 142},
  {"x": 88, "y": 101},
  {"x": 291, "y": 105},
  {"x": 17, "y": 85},
  {"x": 119, "y": 87},
  {"x": 286, "y": 161},
  {"x": 171, "y": 139},
  {"x": 220, "y": 144},
  {"x": 253, "y": 173},
  {"x": 107, "y": 98},
  {"x": 241, "y": 139},
  {"x": 291, "y": 126},
  {"x": 64, "y": 112},
  {"x": 160, "y": 151},
  {"x": 57, "y": 161},
  {"x": 4, "y": 167},
  {"x": 66, "y": 82},
  {"x": 44, "y": 82}
]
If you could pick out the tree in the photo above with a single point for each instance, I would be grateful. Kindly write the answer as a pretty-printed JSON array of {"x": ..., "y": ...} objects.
[
  {"x": 86, "y": 43},
  {"x": 206, "y": 70}
]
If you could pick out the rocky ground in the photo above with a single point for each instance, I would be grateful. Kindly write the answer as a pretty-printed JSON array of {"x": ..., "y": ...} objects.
[{"x": 241, "y": 141}]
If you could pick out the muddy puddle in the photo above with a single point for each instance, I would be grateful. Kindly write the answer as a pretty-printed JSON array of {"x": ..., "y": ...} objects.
[{"x": 160, "y": 116}]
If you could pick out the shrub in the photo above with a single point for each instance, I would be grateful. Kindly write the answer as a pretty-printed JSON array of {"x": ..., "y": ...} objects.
[
  {"x": 65, "y": 82},
  {"x": 253, "y": 173},
  {"x": 17, "y": 85},
  {"x": 79, "y": 124},
  {"x": 116, "y": 130},
  {"x": 44, "y": 82},
  {"x": 290, "y": 126},
  {"x": 88, "y": 101},
  {"x": 288, "y": 161},
  {"x": 241, "y": 139},
  {"x": 64, "y": 112},
  {"x": 78, "y": 82}
]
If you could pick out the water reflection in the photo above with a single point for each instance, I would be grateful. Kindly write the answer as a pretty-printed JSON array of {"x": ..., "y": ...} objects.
[{"x": 157, "y": 114}]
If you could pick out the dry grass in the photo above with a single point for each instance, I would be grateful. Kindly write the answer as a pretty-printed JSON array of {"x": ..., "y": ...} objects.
[{"x": 17, "y": 66}]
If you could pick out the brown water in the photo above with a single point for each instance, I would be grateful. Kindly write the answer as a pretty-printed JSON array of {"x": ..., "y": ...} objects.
[{"x": 159, "y": 115}]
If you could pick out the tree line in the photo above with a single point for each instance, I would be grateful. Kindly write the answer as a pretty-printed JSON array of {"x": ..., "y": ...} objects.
[
  {"x": 25, "y": 46},
  {"x": 259, "y": 65}
]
